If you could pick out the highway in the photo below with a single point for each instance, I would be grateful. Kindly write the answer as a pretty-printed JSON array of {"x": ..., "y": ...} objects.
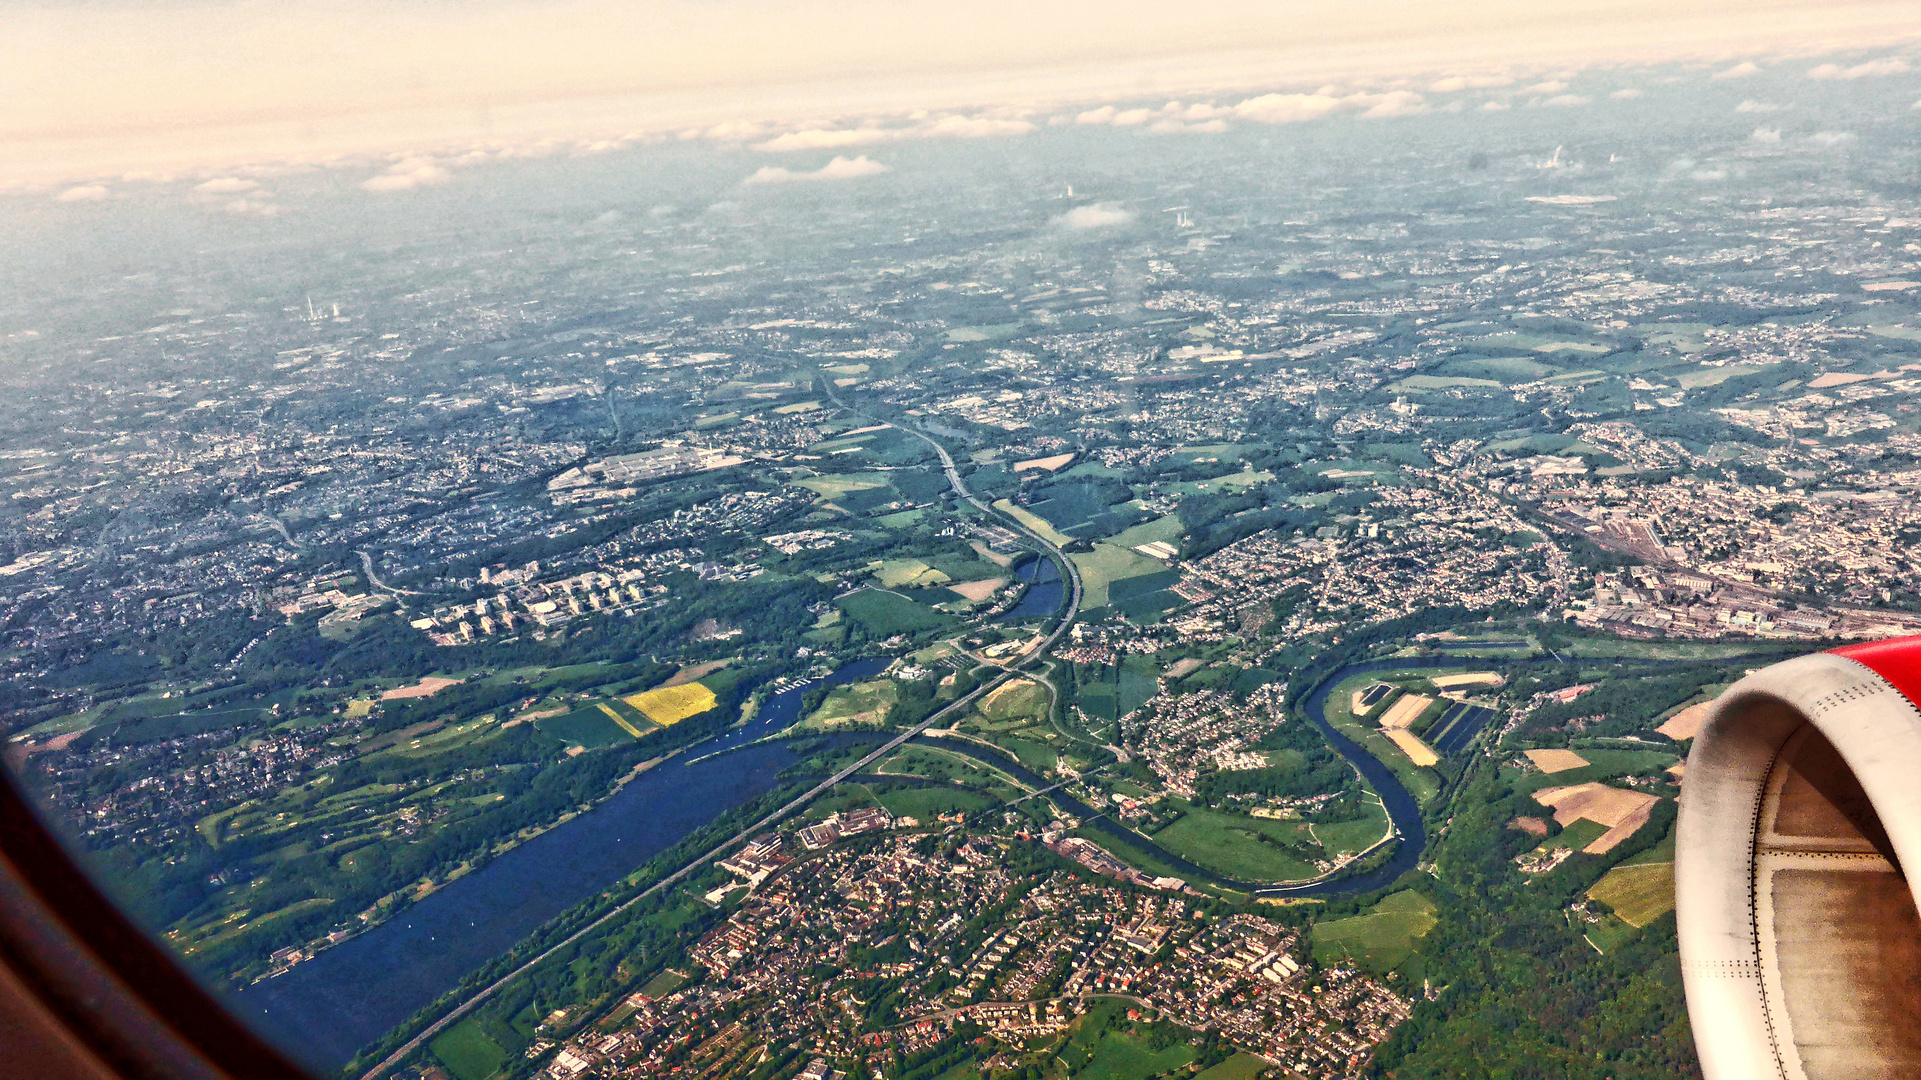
[{"x": 953, "y": 708}]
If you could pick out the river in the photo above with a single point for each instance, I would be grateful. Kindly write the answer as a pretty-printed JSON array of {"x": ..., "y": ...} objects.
[
  {"x": 1410, "y": 835},
  {"x": 324, "y": 1010}
]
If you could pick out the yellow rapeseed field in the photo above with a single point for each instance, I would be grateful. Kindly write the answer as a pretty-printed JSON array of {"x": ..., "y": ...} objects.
[{"x": 667, "y": 705}]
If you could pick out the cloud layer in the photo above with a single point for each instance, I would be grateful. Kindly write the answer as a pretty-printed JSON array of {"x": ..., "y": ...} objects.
[
  {"x": 1887, "y": 65},
  {"x": 406, "y": 175},
  {"x": 841, "y": 168}
]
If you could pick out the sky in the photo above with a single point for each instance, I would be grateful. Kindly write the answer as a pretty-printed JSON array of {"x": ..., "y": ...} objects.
[{"x": 105, "y": 90}]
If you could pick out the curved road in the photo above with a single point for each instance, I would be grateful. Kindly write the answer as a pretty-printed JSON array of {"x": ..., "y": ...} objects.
[{"x": 1008, "y": 672}]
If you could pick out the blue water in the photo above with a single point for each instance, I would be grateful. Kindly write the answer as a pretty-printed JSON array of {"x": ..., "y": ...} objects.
[
  {"x": 1045, "y": 591},
  {"x": 326, "y": 1009}
]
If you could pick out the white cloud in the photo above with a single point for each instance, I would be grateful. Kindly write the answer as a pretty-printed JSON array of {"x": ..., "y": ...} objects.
[
  {"x": 83, "y": 193},
  {"x": 946, "y": 127},
  {"x": 1469, "y": 82},
  {"x": 1098, "y": 216},
  {"x": 827, "y": 139},
  {"x": 974, "y": 127},
  {"x": 1752, "y": 106},
  {"x": 1102, "y": 115},
  {"x": 1890, "y": 65},
  {"x": 1769, "y": 136},
  {"x": 1286, "y": 108},
  {"x": 1916, "y": 105},
  {"x": 1563, "y": 101},
  {"x": 1552, "y": 86},
  {"x": 841, "y": 168},
  {"x": 252, "y": 208},
  {"x": 1495, "y": 106},
  {"x": 407, "y": 175},
  {"x": 1835, "y": 138},
  {"x": 1393, "y": 103},
  {"x": 1628, "y": 94},
  {"x": 226, "y": 185},
  {"x": 734, "y": 131},
  {"x": 1132, "y": 117},
  {"x": 1181, "y": 127},
  {"x": 1740, "y": 71}
]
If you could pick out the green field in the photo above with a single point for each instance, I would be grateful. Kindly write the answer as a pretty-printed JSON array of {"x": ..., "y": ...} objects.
[
  {"x": 1354, "y": 836},
  {"x": 467, "y": 1051},
  {"x": 588, "y": 726},
  {"x": 1507, "y": 369},
  {"x": 1102, "y": 1049},
  {"x": 1418, "y": 383},
  {"x": 663, "y": 984},
  {"x": 894, "y": 573},
  {"x": 1602, "y": 765},
  {"x": 1019, "y": 698},
  {"x": 1611, "y": 933},
  {"x": 1236, "y": 847},
  {"x": 1167, "y": 529},
  {"x": 925, "y": 804},
  {"x": 1422, "y": 783},
  {"x": 886, "y": 614},
  {"x": 1577, "y": 836},
  {"x": 1107, "y": 564},
  {"x": 863, "y": 702},
  {"x": 1380, "y": 940},
  {"x": 1140, "y": 680},
  {"x": 1238, "y": 1067},
  {"x": 1034, "y": 754},
  {"x": 940, "y": 765},
  {"x": 1639, "y": 894},
  {"x": 1033, "y": 522}
]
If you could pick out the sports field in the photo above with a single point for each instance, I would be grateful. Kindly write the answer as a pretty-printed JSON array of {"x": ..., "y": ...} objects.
[
  {"x": 669, "y": 705},
  {"x": 467, "y": 1051}
]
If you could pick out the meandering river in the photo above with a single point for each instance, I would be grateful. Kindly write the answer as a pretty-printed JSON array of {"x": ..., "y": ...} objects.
[{"x": 327, "y": 1008}]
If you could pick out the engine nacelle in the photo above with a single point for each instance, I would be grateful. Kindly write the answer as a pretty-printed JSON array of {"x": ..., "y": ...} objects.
[{"x": 1799, "y": 935}]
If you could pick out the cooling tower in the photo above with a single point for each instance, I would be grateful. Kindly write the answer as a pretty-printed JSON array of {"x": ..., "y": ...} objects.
[{"x": 1800, "y": 945}]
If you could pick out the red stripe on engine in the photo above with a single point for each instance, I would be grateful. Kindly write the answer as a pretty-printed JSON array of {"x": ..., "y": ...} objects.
[{"x": 1897, "y": 660}]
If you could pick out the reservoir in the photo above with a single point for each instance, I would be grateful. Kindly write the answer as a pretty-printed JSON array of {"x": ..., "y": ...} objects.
[
  {"x": 324, "y": 1010},
  {"x": 1045, "y": 590}
]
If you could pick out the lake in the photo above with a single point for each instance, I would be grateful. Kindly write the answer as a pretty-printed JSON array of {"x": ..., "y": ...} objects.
[
  {"x": 1045, "y": 591},
  {"x": 326, "y": 1009}
]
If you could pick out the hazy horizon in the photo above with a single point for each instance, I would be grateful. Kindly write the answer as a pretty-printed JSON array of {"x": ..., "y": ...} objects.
[{"x": 105, "y": 95}]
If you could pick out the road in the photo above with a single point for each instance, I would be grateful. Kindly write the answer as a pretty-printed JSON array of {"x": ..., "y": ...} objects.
[
  {"x": 367, "y": 564},
  {"x": 954, "y": 707}
]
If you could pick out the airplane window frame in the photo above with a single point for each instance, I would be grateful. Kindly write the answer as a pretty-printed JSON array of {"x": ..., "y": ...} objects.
[{"x": 115, "y": 990}]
